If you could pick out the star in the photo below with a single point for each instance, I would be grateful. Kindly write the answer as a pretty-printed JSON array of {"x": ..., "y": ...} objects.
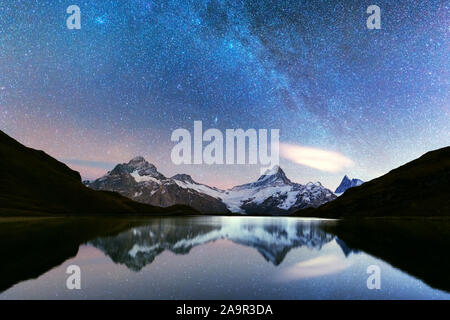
[{"x": 100, "y": 20}]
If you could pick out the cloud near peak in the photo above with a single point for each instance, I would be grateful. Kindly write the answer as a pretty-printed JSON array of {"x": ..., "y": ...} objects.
[{"x": 324, "y": 160}]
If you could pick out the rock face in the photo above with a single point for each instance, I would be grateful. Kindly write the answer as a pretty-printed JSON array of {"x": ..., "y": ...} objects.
[
  {"x": 346, "y": 184},
  {"x": 272, "y": 194}
]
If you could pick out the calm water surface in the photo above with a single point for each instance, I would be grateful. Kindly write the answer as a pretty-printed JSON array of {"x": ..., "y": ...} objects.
[{"x": 223, "y": 258}]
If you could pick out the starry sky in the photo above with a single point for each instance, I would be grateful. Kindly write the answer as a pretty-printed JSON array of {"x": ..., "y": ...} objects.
[{"x": 139, "y": 69}]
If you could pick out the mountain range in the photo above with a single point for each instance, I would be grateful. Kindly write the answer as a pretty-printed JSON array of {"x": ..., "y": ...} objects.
[
  {"x": 34, "y": 183},
  {"x": 272, "y": 194}
]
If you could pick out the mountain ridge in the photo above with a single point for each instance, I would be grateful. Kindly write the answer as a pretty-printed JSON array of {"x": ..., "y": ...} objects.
[
  {"x": 272, "y": 194},
  {"x": 141, "y": 181}
]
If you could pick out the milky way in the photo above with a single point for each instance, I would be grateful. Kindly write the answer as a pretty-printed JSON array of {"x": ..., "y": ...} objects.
[{"x": 139, "y": 69}]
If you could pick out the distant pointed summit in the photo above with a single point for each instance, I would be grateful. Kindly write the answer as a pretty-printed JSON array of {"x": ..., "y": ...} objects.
[
  {"x": 276, "y": 174},
  {"x": 346, "y": 184},
  {"x": 275, "y": 170},
  {"x": 272, "y": 177}
]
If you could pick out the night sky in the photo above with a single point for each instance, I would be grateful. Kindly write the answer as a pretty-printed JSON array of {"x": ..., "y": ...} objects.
[{"x": 138, "y": 69}]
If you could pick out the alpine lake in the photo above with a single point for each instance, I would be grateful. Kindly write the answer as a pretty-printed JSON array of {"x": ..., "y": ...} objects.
[{"x": 213, "y": 257}]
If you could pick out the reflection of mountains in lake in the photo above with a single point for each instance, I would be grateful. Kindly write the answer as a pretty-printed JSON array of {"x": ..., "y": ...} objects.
[
  {"x": 32, "y": 247},
  {"x": 139, "y": 246}
]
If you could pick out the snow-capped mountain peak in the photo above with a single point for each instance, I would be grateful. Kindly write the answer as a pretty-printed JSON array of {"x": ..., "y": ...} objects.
[
  {"x": 141, "y": 181},
  {"x": 273, "y": 193},
  {"x": 141, "y": 168},
  {"x": 272, "y": 171},
  {"x": 275, "y": 174}
]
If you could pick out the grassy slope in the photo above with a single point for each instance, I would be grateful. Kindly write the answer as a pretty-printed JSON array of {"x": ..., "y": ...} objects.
[
  {"x": 419, "y": 188},
  {"x": 33, "y": 183}
]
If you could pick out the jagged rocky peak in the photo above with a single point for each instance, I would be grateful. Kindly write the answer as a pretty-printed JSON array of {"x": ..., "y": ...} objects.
[
  {"x": 144, "y": 168},
  {"x": 137, "y": 166},
  {"x": 347, "y": 183},
  {"x": 183, "y": 177},
  {"x": 138, "y": 161}
]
